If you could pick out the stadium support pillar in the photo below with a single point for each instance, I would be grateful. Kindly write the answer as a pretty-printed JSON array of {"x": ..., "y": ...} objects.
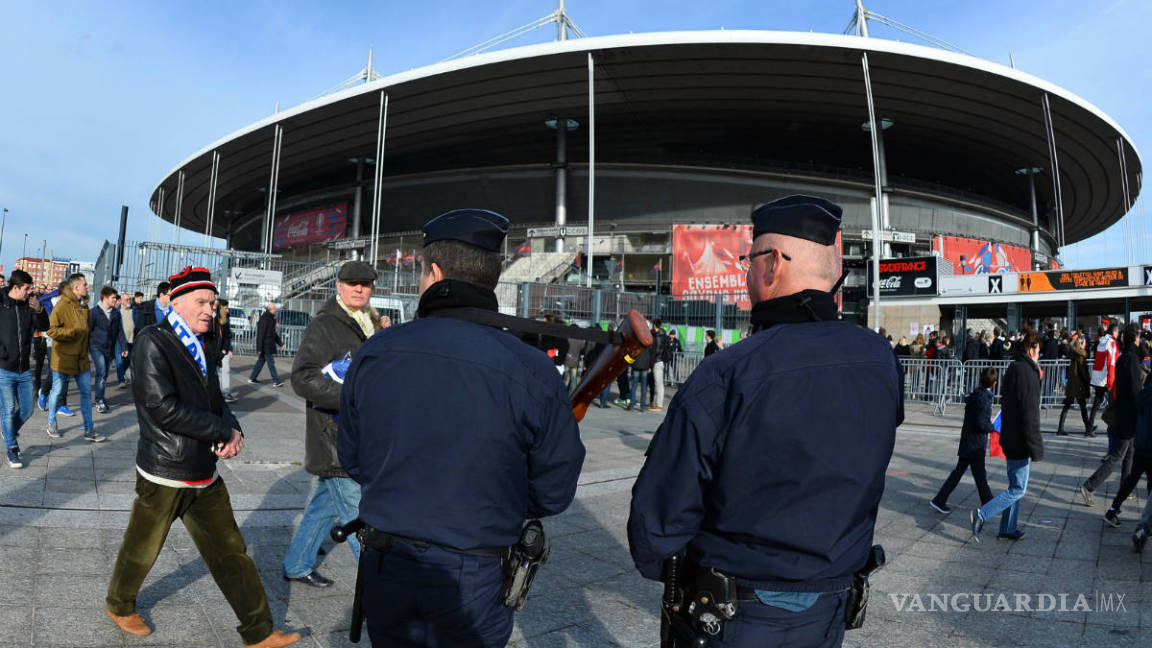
[
  {"x": 378, "y": 177},
  {"x": 877, "y": 169},
  {"x": 357, "y": 202},
  {"x": 960, "y": 330},
  {"x": 1050, "y": 134},
  {"x": 525, "y": 299},
  {"x": 1014, "y": 316},
  {"x": 210, "y": 218},
  {"x": 273, "y": 180},
  {"x": 179, "y": 206},
  {"x": 1071, "y": 314},
  {"x": 1127, "y": 310},
  {"x": 1035, "y": 229},
  {"x": 597, "y": 308},
  {"x": 561, "y": 173},
  {"x": 588, "y": 265}
]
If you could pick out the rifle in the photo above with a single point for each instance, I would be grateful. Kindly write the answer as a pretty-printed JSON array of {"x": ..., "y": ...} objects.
[{"x": 635, "y": 337}]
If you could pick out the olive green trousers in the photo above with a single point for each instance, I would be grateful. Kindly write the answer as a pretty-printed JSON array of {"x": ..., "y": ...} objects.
[{"x": 207, "y": 514}]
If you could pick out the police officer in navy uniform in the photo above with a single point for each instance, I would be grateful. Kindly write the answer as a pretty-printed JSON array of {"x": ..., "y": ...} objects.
[
  {"x": 457, "y": 433},
  {"x": 769, "y": 466}
]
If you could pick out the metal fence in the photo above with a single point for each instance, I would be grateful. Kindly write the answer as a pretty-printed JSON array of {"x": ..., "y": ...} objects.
[
  {"x": 948, "y": 382},
  {"x": 941, "y": 383}
]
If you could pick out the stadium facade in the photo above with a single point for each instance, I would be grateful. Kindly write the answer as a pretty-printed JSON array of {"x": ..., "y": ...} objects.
[{"x": 686, "y": 130}]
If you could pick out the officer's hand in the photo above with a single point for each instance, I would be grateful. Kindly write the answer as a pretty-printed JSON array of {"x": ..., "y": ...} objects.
[
  {"x": 385, "y": 321},
  {"x": 123, "y": 354}
]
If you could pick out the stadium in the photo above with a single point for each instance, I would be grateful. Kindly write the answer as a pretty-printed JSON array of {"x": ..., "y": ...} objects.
[{"x": 677, "y": 136}]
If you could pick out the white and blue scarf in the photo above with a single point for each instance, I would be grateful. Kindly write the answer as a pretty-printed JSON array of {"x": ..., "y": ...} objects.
[{"x": 191, "y": 340}]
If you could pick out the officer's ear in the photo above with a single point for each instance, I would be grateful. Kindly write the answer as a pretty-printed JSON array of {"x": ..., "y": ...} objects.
[{"x": 435, "y": 273}]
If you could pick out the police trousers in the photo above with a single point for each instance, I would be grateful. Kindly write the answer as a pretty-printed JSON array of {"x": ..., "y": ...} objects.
[
  {"x": 433, "y": 597},
  {"x": 758, "y": 626}
]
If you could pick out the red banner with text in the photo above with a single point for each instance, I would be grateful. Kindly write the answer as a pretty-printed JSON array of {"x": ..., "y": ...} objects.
[{"x": 705, "y": 261}]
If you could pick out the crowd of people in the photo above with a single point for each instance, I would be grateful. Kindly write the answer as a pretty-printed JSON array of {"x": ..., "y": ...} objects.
[{"x": 1120, "y": 381}]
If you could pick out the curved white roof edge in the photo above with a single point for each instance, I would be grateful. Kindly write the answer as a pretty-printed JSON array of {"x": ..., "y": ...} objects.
[{"x": 749, "y": 37}]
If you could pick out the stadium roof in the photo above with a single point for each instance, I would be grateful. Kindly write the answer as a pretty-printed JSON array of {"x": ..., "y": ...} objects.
[{"x": 724, "y": 99}]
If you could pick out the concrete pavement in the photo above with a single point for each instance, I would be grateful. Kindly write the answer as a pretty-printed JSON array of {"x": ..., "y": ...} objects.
[{"x": 62, "y": 519}]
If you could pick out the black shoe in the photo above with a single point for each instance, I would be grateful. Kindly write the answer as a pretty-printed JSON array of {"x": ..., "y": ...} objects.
[
  {"x": 253, "y": 382},
  {"x": 312, "y": 578},
  {"x": 1111, "y": 518},
  {"x": 1015, "y": 535},
  {"x": 278, "y": 384},
  {"x": 1061, "y": 432},
  {"x": 939, "y": 508}
]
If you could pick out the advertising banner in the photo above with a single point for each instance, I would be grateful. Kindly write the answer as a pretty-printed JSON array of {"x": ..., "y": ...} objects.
[
  {"x": 973, "y": 256},
  {"x": 1072, "y": 279},
  {"x": 908, "y": 277},
  {"x": 310, "y": 226},
  {"x": 705, "y": 261}
]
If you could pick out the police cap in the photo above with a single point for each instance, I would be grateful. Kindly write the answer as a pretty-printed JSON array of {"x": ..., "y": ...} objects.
[
  {"x": 480, "y": 227},
  {"x": 356, "y": 271},
  {"x": 800, "y": 216}
]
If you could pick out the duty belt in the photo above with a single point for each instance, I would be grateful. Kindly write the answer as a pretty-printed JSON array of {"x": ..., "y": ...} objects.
[{"x": 382, "y": 541}]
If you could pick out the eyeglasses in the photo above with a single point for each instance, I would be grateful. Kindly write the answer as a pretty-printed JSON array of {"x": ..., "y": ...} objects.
[{"x": 746, "y": 259}]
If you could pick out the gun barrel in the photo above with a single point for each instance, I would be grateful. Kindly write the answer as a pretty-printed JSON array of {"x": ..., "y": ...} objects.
[{"x": 610, "y": 364}]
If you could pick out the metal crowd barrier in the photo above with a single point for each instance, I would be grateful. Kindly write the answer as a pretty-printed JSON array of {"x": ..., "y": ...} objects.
[
  {"x": 244, "y": 342},
  {"x": 682, "y": 366},
  {"x": 948, "y": 382}
]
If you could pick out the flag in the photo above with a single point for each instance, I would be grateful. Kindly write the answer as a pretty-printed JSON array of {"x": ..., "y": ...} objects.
[
  {"x": 49, "y": 299},
  {"x": 994, "y": 449},
  {"x": 524, "y": 250}
]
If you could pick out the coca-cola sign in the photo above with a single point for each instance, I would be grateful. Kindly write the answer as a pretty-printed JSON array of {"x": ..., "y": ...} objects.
[{"x": 907, "y": 277}]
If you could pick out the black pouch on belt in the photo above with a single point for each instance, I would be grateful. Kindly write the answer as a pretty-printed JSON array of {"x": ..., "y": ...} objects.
[
  {"x": 520, "y": 563},
  {"x": 857, "y": 605}
]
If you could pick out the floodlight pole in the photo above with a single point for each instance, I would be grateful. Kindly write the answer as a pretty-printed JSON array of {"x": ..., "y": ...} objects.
[{"x": 874, "y": 131}]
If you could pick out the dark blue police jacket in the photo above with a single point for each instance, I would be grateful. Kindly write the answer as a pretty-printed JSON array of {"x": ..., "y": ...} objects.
[
  {"x": 770, "y": 463},
  {"x": 457, "y": 432}
]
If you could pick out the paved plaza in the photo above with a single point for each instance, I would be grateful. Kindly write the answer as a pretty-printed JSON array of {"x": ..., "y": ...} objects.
[{"x": 62, "y": 519}]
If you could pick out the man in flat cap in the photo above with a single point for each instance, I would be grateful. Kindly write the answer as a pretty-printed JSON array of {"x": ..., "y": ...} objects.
[
  {"x": 769, "y": 465},
  {"x": 185, "y": 427},
  {"x": 343, "y": 323},
  {"x": 457, "y": 432}
]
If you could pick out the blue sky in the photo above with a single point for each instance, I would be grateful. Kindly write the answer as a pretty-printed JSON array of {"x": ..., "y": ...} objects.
[{"x": 100, "y": 99}]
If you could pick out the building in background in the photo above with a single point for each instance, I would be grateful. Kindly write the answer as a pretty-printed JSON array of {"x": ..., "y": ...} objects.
[{"x": 691, "y": 129}]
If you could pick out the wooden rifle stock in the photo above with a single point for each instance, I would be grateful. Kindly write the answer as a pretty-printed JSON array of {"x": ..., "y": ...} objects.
[{"x": 612, "y": 362}]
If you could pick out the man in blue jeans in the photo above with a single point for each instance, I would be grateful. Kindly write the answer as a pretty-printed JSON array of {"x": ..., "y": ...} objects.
[
  {"x": 640, "y": 369},
  {"x": 1019, "y": 438},
  {"x": 68, "y": 328},
  {"x": 343, "y": 323},
  {"x": 106, "y": 334},
  {"x": 19, "y": 317}
]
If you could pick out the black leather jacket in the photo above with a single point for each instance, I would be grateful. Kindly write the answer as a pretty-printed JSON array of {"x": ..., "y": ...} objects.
[
  {"x": 182, "y": 413},
  {"x": 17, "y": 321}
]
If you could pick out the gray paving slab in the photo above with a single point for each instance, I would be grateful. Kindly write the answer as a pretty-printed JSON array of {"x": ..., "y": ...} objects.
[{"x": 62, "y": 519}]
